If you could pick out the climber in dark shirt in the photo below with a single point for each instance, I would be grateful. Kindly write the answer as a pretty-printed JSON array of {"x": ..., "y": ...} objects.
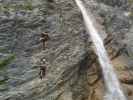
[
  {"x": 44, "y": 38},
  {"x": 42, "y": 72}
]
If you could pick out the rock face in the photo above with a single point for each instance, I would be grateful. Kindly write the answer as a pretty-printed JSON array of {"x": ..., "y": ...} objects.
[
  {"x": 72, "y": 69},
  {"x": 115, "y": 3}
]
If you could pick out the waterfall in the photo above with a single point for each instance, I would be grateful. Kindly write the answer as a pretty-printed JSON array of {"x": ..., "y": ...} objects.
[{"x": 114, "y": 91}]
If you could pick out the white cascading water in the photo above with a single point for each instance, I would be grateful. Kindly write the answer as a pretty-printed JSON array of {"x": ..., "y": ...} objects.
[{"x": 114, "y": 91}]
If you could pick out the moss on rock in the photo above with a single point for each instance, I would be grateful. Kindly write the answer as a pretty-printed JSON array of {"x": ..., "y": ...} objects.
[{"x": 6, "y": 61}]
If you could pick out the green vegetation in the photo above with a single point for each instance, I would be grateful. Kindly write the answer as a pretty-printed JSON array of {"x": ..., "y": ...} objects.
[
  {"x": 130, "y": 1},
  {"x": 3, "y": 81},
  {"x": 6, "y": 61},
  {"x": 26, "y": 6},
  {"x": 131, "y": 14},
  {"x": 3, "y": 49}
]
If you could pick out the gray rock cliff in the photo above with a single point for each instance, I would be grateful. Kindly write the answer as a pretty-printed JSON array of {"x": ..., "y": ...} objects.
[{"x": 72, "y": 69}]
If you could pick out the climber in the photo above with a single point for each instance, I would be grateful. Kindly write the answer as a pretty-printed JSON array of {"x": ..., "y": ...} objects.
[
  {"x": 42, "y": 66},
  {"x": 44, "y": 37},
  {"x": 42, "y": 72}
]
